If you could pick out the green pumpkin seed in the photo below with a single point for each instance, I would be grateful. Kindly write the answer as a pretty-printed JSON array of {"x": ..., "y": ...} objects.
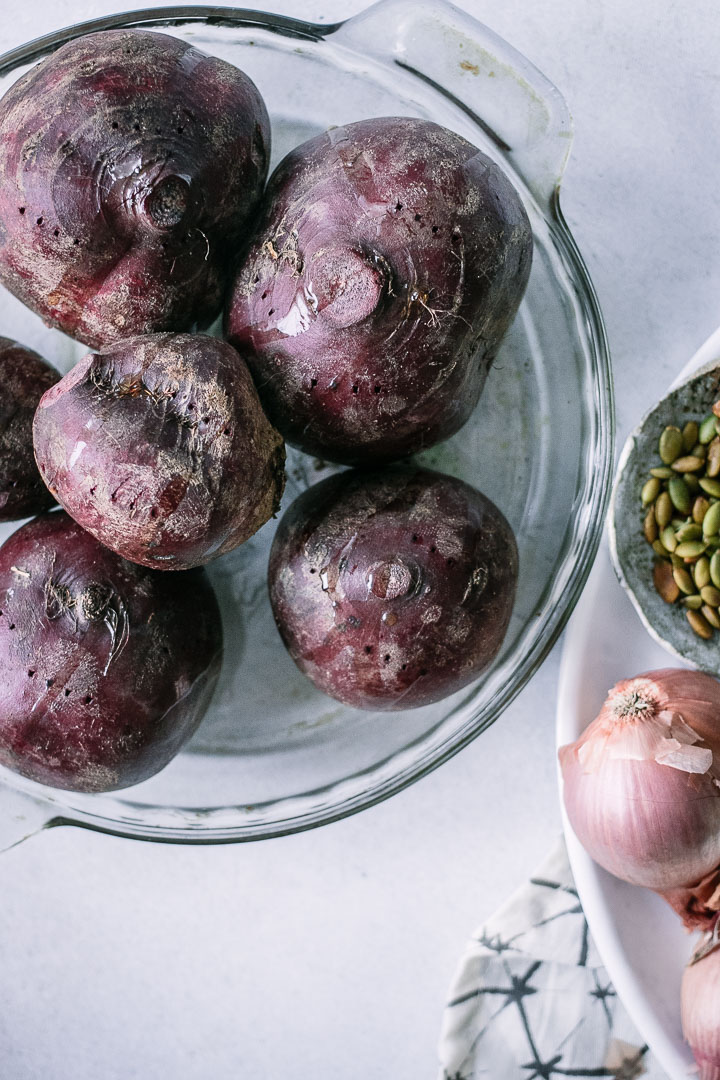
[
  {"x": 668, "y": 538},
  {"x": 699, "y": 509},
  {"x": 710, "y": 487},
  {"x": 683, "y": 580},
  {"x": 660, "y": 550},
  {"x": 664, "y": 508},
  {"x": 650, "y": 491},
  {"x": 689, "y": 435},
  {"x": 700, "y": 624},
  {"x": 711, "y": 595},
  {"x": 689, "y": 531},
  {"x": 692, "y": 482},
  {"x": 662, "y": 472},
  {"x": 707, "y": 431},
  {"x": 677, "y": 561},
  {"x": 688, "y": 464},
  {"x": 670, "y": 445},
  {"x": 711, "y": 521},
  {"x": 679, "y": 496},
  {"x": 690, "y": 549},
  {"x": 701, "y": 572},
  {"x": 698, "y": 450},
  {"x": 693, "y": 602},
  {"x": 715, "y": 569},
  {"x": 711, "y": 615}
]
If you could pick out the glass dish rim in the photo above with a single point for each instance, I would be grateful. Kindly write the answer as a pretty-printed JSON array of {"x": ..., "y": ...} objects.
[{"x": 581, "y": 550}]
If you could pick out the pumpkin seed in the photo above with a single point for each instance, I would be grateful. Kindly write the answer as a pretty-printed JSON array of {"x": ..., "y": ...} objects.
[
  {"x": 710, "y": 487},
  {"x": 679, "y": 496},
  {"x": 692, "y": 482},
  {"x": 700, "y": 624},
  {"x": 663, "y": 472},
  {"x": 668, "y": 538},
  {"x": 711, "y": 595},
  {"x": 650, "y": 527},
  {"x": 707, "y": 431},
  {"x": 664, "y": 582},
  {"x": 701, "y": 572},
  {"x": 711, "y": 521},
  {"x": 690, "y": 549},
  {"x": 683, "y": 580},
  {"x": 700, "y": 508},
  {"x": 687, "y": 464},
  {"x": 664, "y": 508},
  {"x": 670, "y": 445},
  {"x": 688, "y": 531},
  {"x": 650, "y": 491},
  {"x": 689, "y": 435},
  {"x": 661, "y": 551},
  {"x": 694, "y": 602},
  {"x": 712, "y": 462},
  {"x": 711, "y": 615}
]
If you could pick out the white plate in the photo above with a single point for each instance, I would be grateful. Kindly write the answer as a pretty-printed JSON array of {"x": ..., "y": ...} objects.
[{"x": 640, "y": 940}]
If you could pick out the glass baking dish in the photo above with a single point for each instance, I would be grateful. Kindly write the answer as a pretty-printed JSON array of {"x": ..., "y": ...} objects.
[{"x": 274, "y": 755}]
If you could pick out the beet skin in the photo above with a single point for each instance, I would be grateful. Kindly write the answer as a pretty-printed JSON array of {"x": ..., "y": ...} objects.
[
  {"x": 159, "y": 447},
  {"x": 130, "y": 167},
  {"x": 24, "y": 378},
  {"x": 391, "y": 259},
  {"x": 106, "y": 668},
  {"x": 392, "y": 589}
]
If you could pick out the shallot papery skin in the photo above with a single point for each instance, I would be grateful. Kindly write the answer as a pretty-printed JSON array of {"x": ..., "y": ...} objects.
[
  {"x": 389, "y": 261},
  {"x": 642, "y": 792},
  {"x": 700, "y": 1011},
  {"x": 130, "y": 166}
]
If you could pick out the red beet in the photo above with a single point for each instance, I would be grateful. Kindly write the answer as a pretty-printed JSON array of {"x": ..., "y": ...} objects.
[
  {"x": 106, "y": 668},
  {"x": 390, "y": 261},
  {"x": 130, "y": 166},
  {"x": 392, "y": 589},
  {"x": 24, "y": 378},
  {"x": 158, "y": 446}
]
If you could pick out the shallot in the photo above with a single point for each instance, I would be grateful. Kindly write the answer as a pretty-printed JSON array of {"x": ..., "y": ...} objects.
[
  {"x": 700, "y": 1005},
  {"x": 642, "y": 788}
]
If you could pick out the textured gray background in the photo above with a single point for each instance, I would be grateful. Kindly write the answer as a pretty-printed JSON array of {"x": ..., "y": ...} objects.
[{"x": 328, "y": 955}]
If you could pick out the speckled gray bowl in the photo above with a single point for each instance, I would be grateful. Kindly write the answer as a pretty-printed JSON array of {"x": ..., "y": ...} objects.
[{"x": 633, "y": 558}]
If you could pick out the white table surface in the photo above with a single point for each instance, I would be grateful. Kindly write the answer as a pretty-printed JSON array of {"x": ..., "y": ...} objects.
[{"x": 326, "y": 956}]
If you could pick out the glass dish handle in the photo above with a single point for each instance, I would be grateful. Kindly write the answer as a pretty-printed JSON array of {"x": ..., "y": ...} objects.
[
  {"x": 22, "y": 816},
  {"x": 518, "y": 108}
]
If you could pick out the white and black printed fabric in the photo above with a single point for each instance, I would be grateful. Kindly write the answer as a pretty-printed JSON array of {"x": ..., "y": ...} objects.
[{"x": 531, "y": 999}]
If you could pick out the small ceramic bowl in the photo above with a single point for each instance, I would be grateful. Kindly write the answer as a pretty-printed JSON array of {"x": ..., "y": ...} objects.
[{"x": 690, "y": 398}]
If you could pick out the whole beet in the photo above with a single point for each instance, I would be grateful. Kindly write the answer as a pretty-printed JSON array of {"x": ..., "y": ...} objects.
[
  {"x": 106, "y": 668},
  {"x": 24, "y": 378},
  {"x": 159, "y": 447},
  {"x": 392, "y": 589},
  {"x": 391, "y": 259},
  {"x": 130, "y": 166}
]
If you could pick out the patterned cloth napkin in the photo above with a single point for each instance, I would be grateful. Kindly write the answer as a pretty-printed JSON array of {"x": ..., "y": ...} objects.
[{"x": 531, "y": 998}]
